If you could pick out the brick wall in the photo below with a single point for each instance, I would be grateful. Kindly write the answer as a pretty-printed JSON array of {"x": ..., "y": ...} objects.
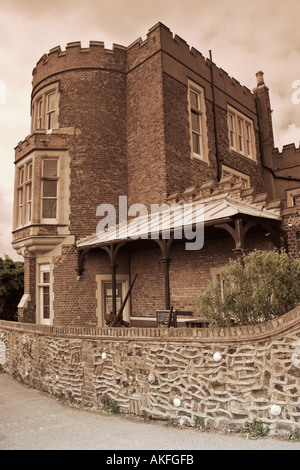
[
  {"x": 75, "y": 299},
  {"x": 145, "y": 124},
  {"x": 190, "y": 272},
  {"x": 145, "y": 369}
]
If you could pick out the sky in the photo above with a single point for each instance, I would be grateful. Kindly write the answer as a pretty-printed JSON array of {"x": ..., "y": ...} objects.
[{"x": 244, "y": 37}]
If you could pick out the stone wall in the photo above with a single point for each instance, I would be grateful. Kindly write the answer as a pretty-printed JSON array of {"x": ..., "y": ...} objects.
[{"x": 226, "y": 376}]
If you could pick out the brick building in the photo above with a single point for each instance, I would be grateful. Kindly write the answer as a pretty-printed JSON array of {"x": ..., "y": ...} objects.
[{"x": 154, "y": 122}]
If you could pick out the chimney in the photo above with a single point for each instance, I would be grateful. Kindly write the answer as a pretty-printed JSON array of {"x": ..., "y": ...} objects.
[{"x": 260, "y": 78}]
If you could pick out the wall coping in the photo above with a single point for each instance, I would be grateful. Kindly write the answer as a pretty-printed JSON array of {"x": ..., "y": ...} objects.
[{"x": 256, "y": 332}]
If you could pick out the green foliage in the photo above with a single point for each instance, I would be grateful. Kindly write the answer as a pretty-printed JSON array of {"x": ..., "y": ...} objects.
[
  {"x": 11, "y": 287},
  {"x": 266, "y": 286},
  {"x": 293, "y": 436},
  {"x": 199, "y": 423},
  {"x": 256, "y": 429},
  {"x": 111, "y": 407}
]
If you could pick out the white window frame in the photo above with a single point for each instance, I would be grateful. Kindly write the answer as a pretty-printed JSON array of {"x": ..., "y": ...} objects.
[
  {"x": 200, "y": 111},
  {"x": 291, "y": 195},
  {"x": 39, "y": 113},
  {"x": 44, "y": 178},
  {"x": 101, "y": 279},
  {"x": 42, "y": 285},
  {"x": 50, "y": 112},
  {"x": 42, "y": 116},
  {"x": 240, "y": 177},
  {"x": 241, "y": 134},
  {"x": 24, "y": 190}
]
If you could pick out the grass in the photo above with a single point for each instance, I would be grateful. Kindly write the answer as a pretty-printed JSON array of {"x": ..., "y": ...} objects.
[{"x": 256, "y": 429}]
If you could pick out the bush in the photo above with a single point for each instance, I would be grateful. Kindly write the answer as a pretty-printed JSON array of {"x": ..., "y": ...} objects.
[
  {"x": 265, "y": 286},
  {"x": 11, "y": 287}
]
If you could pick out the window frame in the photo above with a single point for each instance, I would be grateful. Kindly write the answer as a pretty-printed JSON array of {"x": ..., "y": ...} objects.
[
  {"x": 198, "y": 110},
  {"x": 291, "y": 194},
  {"x": 43, "y": 117},
  {"x": 101, "y": 280},
  {"x": 42, "y": 286},
  {"x": 239, "y": 175},
  {"x": 45, "y": 178},
  {"x": 241, "y": 134},
  {"x": 49, "y": 112},
  {"x": 24, "y": 205}
]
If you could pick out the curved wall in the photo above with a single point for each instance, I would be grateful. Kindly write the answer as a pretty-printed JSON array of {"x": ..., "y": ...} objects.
[{"x": 144, "y": 370}]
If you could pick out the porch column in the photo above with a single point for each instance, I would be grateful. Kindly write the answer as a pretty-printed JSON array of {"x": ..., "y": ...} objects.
[
  {"x": 166, "y": 266},
  {"x": 165, "y": 246},
  {"x": 113, "y": 286},
  {"x": 238, "y": 235},
  {"x": 240, "y": 229}
]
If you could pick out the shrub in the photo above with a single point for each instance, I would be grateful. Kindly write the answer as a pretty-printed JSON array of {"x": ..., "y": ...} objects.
[
  {"x": 11, "y": 287},
  {"x": 266, "y": 285},
  {"x": 256, "y": 429}
]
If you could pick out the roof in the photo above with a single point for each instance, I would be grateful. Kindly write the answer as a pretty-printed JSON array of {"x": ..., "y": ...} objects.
[{"x": 208, "y": 211}]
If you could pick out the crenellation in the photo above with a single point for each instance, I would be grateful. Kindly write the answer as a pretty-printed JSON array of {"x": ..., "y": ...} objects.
[
  {"x": 75, "y": 57},
  {"x": 181, "y": 42},
  {"x": 73, "y": 44},
  {"x": 54, "y": 50},
  {"x": 196, "y": 53},
  {"x": 136, "y": 43}
]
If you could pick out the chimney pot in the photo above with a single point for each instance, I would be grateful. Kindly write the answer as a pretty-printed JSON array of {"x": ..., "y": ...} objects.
[{"x": 260, "y": 78}]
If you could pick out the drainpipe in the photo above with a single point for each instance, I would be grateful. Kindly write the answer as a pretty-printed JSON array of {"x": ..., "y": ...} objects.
[{"x": 215, "y": 117}]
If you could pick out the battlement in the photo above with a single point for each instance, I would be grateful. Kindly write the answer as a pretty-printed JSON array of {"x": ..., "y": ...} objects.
[
  {"x": 123, "y": 59},
  {"x": 76, "y": 57},
  {"x": 179, "y": 49},
  {"x": 41, "y": 140},
  {"x": 288, "y": 157}
]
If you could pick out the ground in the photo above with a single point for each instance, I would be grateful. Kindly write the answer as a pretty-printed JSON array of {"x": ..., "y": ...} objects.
[{"x": 33, "y": 420}]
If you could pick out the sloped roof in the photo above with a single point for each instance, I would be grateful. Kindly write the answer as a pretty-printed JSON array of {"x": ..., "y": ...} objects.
[{"x": 208, "y": 211}]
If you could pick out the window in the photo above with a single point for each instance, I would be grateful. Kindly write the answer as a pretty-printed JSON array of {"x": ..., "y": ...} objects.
[
  {"x": 28, "y": 187},
  {"x": 292, "y": 196},
  {"x": 39, "y": 117},
  {"x": 241, "y": 134},
  {"x": 49, "y": 189},
  {"x": 24, "y": 194},
  {"x": 45, "y": 109},
  {"x": 20, "y": 207},
  {"x": 50, "y": 112},
  {"x": 104, "y": 296},
  {"x": 238, "y": 176},
  {"x": 44, "y": 297},
  {"x": 198, "y": 133},
  {"x": 107, "y": 288}
]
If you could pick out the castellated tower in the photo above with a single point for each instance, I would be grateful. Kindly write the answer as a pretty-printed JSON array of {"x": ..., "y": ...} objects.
[
  {"x": 153, "y": 121},
  {"x": 94, "y": 120},
  {"x": 88, "y": 90}
]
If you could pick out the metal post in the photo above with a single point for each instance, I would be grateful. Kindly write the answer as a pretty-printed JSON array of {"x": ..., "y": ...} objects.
[
  {"x": 113, "y": 286},
  {"x": 166, "y": 265}
]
